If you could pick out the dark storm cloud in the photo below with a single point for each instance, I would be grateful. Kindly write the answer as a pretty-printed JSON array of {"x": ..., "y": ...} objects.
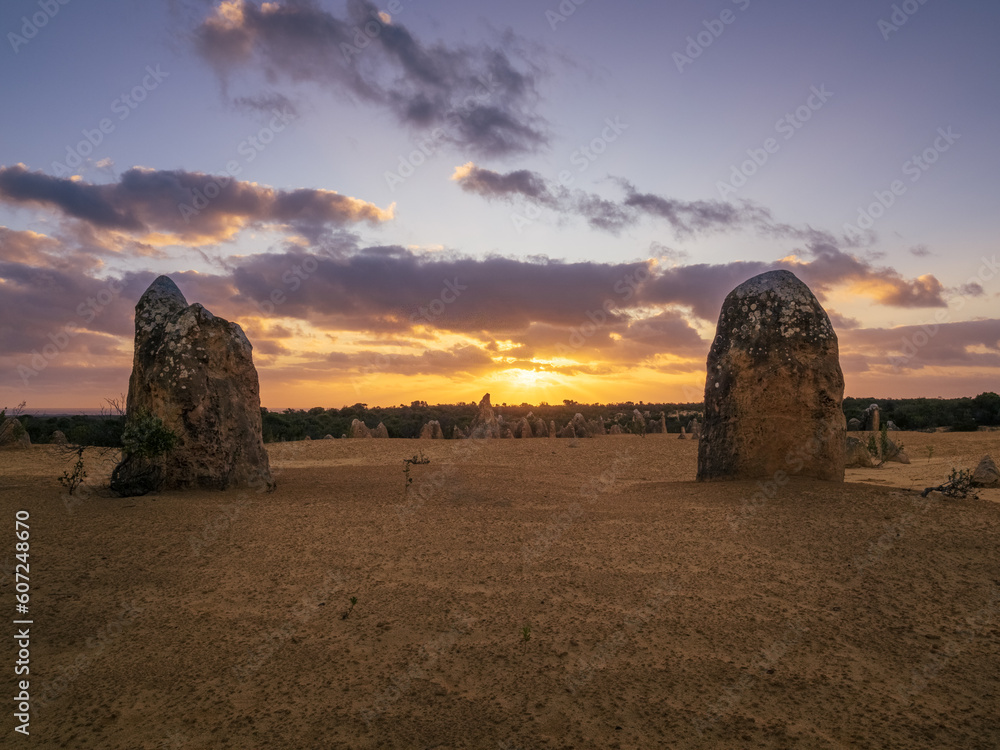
[
  {"x": 388, "y": 291},
  {"x": 668, "y": 331},
  {"x": 480, "y": 99},
  {"x": 700, "y": 286},
  {"x": 391, "y": 289},
  {"x": 194, "y": 207}
]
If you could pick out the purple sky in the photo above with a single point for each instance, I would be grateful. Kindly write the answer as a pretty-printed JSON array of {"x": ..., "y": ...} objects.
[{"x": 440, "y": 200}]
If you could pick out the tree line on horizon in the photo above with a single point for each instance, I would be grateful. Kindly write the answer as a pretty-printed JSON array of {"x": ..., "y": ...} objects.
[{"x": 959, "y": 414}]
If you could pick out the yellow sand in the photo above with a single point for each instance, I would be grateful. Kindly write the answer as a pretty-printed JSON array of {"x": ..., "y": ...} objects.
[{"x": 661, "y": 612}]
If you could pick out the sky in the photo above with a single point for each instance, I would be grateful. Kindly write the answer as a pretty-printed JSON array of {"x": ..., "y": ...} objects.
[{"x": 430, "y": 200}]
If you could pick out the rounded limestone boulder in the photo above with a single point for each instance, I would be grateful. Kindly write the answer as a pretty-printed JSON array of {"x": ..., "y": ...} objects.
[{"x": 774, "y": 388}]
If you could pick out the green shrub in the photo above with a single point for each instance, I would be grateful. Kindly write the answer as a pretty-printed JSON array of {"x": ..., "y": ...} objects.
[
  {"x": 145, "y": 436},
  {"x": 145, "y": 440}
]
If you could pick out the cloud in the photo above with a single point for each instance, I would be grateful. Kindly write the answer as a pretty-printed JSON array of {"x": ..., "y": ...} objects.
[
  {"x": 457, "y": 361},
  {"x": 842, "y": 322},
  {"x": 392, "y": 288},
  {"x": 703, "y": 287},
  {"x": 478, "y": 96},
  {"x": 166, "y": 207},
  {"x": 493, "y": 185},
  {"x": 972, "y": 343},
  {"x": 684, "y": 217},
  {"x": 444, "y": 314},
  {"x": 266, "y": 104},
  {"x": 30, "y": 248},
  {"x": 689, "y": 217},
  {"x": 64, "y": 331},
  {"x": 972, "y": 289}
]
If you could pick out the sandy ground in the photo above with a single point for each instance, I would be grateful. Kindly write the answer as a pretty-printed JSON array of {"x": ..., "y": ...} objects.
[{"x": 662, "y": 612}]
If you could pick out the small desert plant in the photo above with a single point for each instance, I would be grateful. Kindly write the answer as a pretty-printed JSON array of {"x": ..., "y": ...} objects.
[
  {"x": 72, "y": 480},
  {"x": 15, "y": 412},
  {"x": 959, "y": 485},
  {"x": 144, "y": 440},
  {"x": 353, "y": 600},
  {"x": 419, "y": 458},
  {"x": 881, "y": 447},
  {"x": 930, "y": 453},
  {"x": 526, "y": 633},
  {"x": 145, "y": 436},
  {"x": 883, "y": 441},
  {"x": 637, "y": 427},
  {"x": 16, "y": 429},
  {"x": 872, "y": 445}
]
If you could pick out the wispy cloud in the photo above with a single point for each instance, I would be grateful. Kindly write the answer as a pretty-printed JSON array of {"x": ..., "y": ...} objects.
[
  {"x": 684, "y": 217},
  {"x": 482, "y": 100}
]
